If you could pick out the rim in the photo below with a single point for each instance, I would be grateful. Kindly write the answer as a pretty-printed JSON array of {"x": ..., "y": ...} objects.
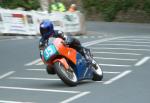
[{"x": 69, "y": 73}]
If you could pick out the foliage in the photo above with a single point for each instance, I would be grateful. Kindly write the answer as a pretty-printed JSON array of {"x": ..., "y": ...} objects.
[
  {"x": 110, "y": 8},
  {"x": 147, "y": 6},
  {"x": 27, "y": 4}
]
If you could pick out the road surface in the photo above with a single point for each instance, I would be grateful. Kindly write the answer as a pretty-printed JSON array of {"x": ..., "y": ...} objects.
[{"x": 122, "y": 50}]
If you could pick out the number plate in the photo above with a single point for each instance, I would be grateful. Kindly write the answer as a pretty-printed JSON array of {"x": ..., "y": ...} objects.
[{"x": 49, "y": 52}]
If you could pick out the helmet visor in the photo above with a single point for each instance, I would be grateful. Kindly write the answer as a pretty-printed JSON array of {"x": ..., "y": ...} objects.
[{"x": 45, "y": 32}]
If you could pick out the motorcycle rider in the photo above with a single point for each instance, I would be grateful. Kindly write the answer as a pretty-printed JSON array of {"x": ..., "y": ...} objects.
[{"x": 47, "y": 31}]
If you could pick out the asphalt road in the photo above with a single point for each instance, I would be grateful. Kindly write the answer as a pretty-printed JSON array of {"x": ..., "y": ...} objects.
[{"x": 122, "y": 50}]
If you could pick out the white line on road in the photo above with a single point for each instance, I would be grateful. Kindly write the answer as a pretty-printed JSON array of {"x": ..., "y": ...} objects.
[
  {"x": 33, "y": 62},
  {"x": 117, "y": 53},
  {"x": 6, "y": 101},
  {"x": 142, "y": 61},
  {"x": 135, "y": 39},
  {"x": 115, "y": 59},
  {"x": 118, "y": 77},
  {"x": 115, "y": 65},
  {"x": 6, "y": 74},
  {"x": 130, "y": 42},
  {"x": 125, "y": 45},
  {"x": 24, "y": 78},
  {"x": 39, "y": 90},
  {"x": 36, "y": 69},
  {"x": 99, "y": 41},
  {"x": 120, "y": 49},
  {"x": 40, "y": 63},
  {"x": 75, "y": 97},
  {"x": 19, "y": 37},
  {"x": 107, "y": 72}
]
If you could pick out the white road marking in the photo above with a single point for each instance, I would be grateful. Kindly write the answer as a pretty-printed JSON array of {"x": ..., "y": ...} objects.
[
  {"x": 107, "y": 72},
  {"x": 93, "y": 37},
  {"x": 39, "y": 90},
  {"x": 118, "y": 77},
  {"x": 6, "y": 101},
  {"x": 135, "y": 39},
  {"x": 99, "y": 41},
  {"x": 120, "y": 49},
  {"x": 138, "y": 37},
  {"x": 24, "y": 78},
  {"x": 20, "y": 37},
  {"x": 7, "y": 74},
  {"x": 100, "y": 81},
  {"x": 30, "y": 37},
  {"x": 130, "y": 41},
  {"x": 125, "y": 45},
  {"x": 13, "y": 39},
  {"x": 117, "y": 53},
  {"x": 75, "y": 97},
  {"x": 85, "y": 36},
  {"x": 142, "y": 61},
  {"x": 36, "y": 69},
  {"x": 114, "y": 65},
  {"x": 100, "y": 36},
  {"x": 40, "y": 63},
  {"x": 115, "y": 59},
  {"x": 33, "y": 62}
]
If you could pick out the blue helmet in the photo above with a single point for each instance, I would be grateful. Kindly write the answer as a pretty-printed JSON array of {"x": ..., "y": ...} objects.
[{"x": 46, "y": 29}]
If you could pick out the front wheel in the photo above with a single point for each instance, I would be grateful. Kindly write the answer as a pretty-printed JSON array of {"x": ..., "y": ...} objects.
[
  {"x": 98, "y": 73},
  {"x": 68, "y": 76}
]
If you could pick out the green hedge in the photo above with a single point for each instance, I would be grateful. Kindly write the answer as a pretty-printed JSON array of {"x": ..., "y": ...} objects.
[
  {"x": 109, "y": 8},
  {"x": 147, "y": 6},
  {"x": 26, "y": 4}
]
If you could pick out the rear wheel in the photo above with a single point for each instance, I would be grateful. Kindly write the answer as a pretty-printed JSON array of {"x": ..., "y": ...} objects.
[{"x": 68, "y": 76}]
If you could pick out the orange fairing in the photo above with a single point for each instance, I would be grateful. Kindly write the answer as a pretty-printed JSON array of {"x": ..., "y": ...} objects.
[
  {"x": 63, "y": 61},
  {"x": 65, "y": 51}
]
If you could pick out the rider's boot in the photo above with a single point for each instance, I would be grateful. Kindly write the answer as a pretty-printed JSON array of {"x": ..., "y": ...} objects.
[
  {"x": 50, "y": 70},
  {"x": 86, "y": 53},
  {"x": 89, "y": 57},
  {"x": 94, "y": 64}
]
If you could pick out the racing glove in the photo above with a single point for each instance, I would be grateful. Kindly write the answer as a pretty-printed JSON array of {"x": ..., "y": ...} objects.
[
  {"x": 68, "y": 40},
  {"x": 42, "y": 45}
]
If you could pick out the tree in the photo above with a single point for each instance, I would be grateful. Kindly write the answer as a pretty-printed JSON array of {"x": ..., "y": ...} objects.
[{"x": 26, "y": 4}]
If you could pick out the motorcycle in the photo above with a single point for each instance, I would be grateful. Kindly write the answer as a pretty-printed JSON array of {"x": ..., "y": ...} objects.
[{"x": 70, "y": 66}]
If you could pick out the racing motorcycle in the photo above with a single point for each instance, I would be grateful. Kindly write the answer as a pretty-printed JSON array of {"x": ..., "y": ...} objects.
[{"x": 70, "y": 66}]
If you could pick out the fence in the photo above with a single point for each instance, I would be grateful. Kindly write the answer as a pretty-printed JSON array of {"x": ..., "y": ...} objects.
[{"x": 27, "y": 22}]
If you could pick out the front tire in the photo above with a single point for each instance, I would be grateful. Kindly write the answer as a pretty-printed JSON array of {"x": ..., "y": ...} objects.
[{"x": 68, "y": 76}]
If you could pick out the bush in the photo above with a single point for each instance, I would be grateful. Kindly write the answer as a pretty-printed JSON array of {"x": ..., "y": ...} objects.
[
  {"x": 147, "y": 6},
  {"x": 27, "y": 4},
  {"x": 110, "y": 8}
]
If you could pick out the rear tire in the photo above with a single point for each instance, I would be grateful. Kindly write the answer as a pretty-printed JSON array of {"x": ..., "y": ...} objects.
[{"x": 68, "y": 76}]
